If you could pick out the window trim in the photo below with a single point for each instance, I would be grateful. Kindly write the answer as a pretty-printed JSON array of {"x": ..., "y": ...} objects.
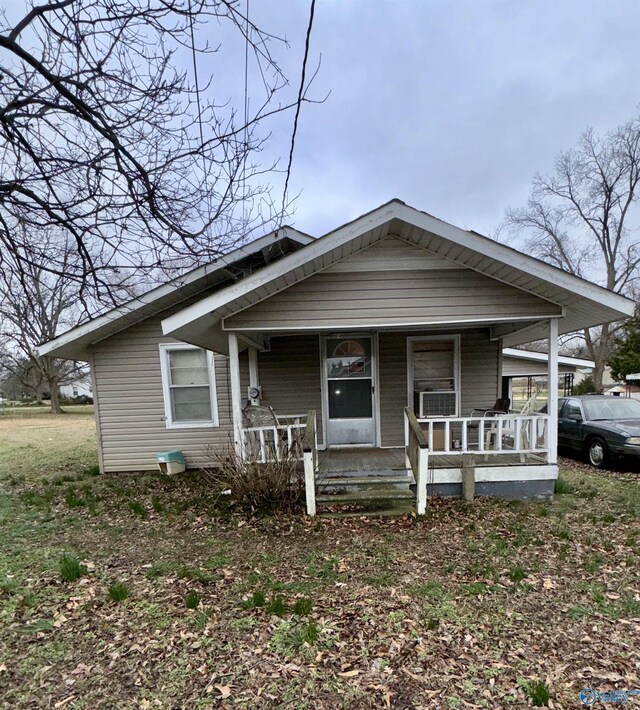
[
  {"x": 165, "y": 349},
  {"x": 455, "y": 338}
]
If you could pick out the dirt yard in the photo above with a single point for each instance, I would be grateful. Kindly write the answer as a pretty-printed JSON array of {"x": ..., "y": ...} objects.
[{"x": 141, "y": 592}]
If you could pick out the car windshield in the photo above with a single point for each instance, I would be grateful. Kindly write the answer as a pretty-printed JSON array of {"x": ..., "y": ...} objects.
[{"x": 612, "y": 408}]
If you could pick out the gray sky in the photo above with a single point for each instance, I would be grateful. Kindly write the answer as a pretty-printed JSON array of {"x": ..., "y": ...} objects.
[{"x": 450, "y": 105}]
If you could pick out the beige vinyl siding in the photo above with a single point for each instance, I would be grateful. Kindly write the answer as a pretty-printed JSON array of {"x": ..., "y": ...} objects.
[
  {"x": 131, "y": 405},
  {"x": 479, "y": 378},
  {"x": 289, "y": 374},
  {"x": 390, "y": 297}
]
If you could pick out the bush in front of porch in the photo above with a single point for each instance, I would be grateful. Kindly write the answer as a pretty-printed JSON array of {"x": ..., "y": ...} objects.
[{"x": 262, "y": 488}]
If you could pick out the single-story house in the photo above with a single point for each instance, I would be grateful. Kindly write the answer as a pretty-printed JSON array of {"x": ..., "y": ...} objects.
[
  {"x": 80, "y": 388},
  {"x": 387, "y": 332},
  {"x": 527, "y": 365}
]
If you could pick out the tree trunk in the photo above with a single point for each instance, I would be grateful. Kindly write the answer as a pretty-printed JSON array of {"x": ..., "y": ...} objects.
[
  {"x": 39, "y": 395},
  {"x": 55, "y": 399}
]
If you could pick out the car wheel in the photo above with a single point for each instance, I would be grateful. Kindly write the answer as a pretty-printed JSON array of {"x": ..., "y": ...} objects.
[{"x": 597, "y": 452}]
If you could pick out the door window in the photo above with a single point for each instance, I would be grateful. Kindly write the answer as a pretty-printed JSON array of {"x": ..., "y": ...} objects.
[{"x": 348, "y": 363}]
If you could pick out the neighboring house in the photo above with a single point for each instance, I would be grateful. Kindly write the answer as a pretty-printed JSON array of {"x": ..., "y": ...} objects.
[
  {"x": 81, "y": 388},
  {"x": 524, "y": 367},
  {"x": 394, "y": 310}
]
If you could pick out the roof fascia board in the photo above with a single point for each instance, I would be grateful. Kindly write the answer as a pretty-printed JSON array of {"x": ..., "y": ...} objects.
[
  {"x": 512, "y": 257},
  {"x": 532, "y": 355},
  {"x": 168, "y": 288}
]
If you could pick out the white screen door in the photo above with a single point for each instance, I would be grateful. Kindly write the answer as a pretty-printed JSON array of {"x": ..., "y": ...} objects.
[{"x": 349, "y": 385}]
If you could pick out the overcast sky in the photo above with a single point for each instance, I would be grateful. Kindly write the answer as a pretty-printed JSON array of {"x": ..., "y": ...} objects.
[{"x": 449, "y": 105}]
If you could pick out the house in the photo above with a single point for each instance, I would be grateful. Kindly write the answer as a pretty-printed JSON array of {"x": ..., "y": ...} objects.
[
  {"x": 387, "y": 332},
  {"x": 80, "y": 388},
  {"x": 522, "y": 370}
]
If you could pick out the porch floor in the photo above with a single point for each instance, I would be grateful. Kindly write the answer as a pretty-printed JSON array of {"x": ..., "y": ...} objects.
[{"x": 361, "y": 461}]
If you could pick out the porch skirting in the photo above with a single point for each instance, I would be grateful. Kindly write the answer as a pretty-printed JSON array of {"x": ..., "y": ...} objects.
[{"x": 539, "y": 489}]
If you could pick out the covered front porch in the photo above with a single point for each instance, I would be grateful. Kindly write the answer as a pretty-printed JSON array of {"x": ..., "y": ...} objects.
[{"x": 389, "y": 410}]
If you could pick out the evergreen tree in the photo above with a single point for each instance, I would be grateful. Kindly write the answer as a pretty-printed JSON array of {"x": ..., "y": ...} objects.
[{"x": 625, "y": 358}]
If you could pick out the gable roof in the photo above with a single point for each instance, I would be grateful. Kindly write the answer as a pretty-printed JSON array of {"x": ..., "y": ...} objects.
[
  {"x": 75, "y": 343},
  {"x": 583, "y": 304}
]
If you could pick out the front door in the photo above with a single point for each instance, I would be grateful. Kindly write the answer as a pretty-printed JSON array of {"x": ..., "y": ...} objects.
[{"x": 349, "y": 373}]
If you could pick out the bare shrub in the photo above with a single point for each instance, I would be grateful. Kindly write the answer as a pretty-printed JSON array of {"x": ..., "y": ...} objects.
[{"x": 258, "y": 487}]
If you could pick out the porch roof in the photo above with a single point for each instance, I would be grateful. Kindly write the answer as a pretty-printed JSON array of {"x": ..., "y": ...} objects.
[{"x": 582, "y": 303}]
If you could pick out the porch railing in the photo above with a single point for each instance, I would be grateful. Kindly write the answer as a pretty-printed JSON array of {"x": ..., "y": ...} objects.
[
  {"x": 499, "y": 434},
  {"x": 272, "y": 442},
  {"x": 418, "y": 457},
  {"x": 294, "y": 437}
]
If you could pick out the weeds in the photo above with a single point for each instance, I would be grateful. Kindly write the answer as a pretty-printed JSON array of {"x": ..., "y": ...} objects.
[
  {"x": 118, "y": 592},
  {"x": 71, "y": 569},
  {"x": 276, "y": 607},
  {"x": 538, "y": 692},
  {"x": 303, "y": 607},
  {"x": 192, "y": 599},
  {"x": 138, "y": 509},
  {"x": 562, "y": 486}
]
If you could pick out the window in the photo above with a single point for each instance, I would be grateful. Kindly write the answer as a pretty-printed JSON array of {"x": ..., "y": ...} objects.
[
  {"x": 433, "y": 376},
  {"x": 189, "y": 386}
]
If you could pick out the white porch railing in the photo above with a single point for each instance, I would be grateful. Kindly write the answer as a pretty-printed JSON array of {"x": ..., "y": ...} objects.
[
  {"x": 295, "y": 437},
  {"x": 273, "y": 443},
  {"x": 498, "y": 434},
  {"x": 418, "y": 457}
]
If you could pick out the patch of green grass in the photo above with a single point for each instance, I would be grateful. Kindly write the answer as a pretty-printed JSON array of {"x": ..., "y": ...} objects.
[
  {"x": 256, "y": 601},
  {"x": 92, "y": 470},
  {"x": 562, "y": 486},
  {"x": 160, "y": 569},
  {"x": 138, "y": 509},
  {"x": 430, "y": 590},
  {"x": 156, "y": 504},
  {"x": 195, "y": 574},
  {"x": 517, "y": 574},
  {"x": 476, "y": 588},
  {"x": 302, "y": 607},
  {"x": 192, "y": 599},
  {"x": 36, "y": 499},
  {"x": 291, "y": 638},
  {"x": 276, "y": 607},
  {"x": 73, "y": 500},
  {"x": 538, "y": 692},
  {"x": 70, "y": 568},
  {"x": 593, "y": 564},
  {"x": 118, "y": 592},
  {"x": 324, "y": 568}
]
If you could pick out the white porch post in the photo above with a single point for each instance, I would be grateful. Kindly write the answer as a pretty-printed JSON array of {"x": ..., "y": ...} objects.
[
  {"x": 236, "y": 395},
  {"x": 254, "y": 379},
  {"x": 552, "y": 387}
]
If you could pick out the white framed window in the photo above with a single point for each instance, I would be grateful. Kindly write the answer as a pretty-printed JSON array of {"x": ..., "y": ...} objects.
[
  {"x": 189, "y": 386},
  {"x": 434, "y": 375}
]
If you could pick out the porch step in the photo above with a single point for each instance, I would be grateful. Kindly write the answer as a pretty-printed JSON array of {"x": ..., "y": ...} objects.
[
  {"x": 359, "y": 482},
  {"x": 370, "y": 513},
  {"x": 365, "y": 495}
]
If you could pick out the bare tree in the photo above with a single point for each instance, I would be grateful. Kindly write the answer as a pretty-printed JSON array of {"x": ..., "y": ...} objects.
[
  {"x": 105, "y": 137},
  {"x": 584, "y": 219},
  {"x": 35, "y": 306}
]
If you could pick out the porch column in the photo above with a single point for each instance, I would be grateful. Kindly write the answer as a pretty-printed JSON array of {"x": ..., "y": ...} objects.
[
  {"x": 236, "y": 395},
  {"x": 254, "y": 378},
  {"x": 552, "y": 388}
]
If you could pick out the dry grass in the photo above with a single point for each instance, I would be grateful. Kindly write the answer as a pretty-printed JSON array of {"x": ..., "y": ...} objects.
[{"x": 43, "y": 443}]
